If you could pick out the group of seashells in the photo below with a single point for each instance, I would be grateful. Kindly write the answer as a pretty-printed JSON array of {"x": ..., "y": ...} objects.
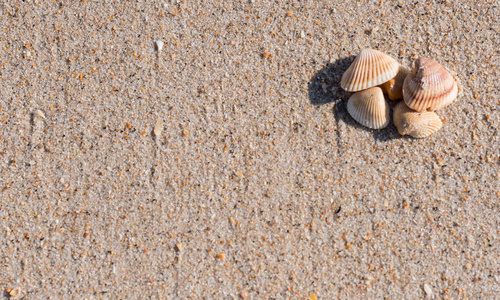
[{"x": 426, "y": 88}]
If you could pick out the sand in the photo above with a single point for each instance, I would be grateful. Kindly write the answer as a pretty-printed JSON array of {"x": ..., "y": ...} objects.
[{"x": 226, "y": 166}]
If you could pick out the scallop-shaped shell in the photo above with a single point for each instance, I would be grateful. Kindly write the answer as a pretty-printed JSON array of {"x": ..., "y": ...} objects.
[
  {"x": 429, "y": 86},
  {"x": 369, "y": 69},
  {"x": 369, "y": 108},
  {"x": 394, "y": 87},
  {"x": 416, "y": 124}
]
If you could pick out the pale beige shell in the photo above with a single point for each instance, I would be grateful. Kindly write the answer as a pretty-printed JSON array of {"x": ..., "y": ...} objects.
[
  {"x": 394, "y": 87},
  {"x": 369, "y": 69},
  {"x": 416, "y": 124},
  {"x": 429, "y": 86},
  {"x": 369, "y": 108}
]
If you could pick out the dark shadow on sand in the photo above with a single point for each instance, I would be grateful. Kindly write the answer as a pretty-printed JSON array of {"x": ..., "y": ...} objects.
[{"x": 324, "y": 88}]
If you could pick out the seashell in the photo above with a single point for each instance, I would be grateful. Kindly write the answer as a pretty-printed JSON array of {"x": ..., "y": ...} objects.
[
  {"x": 158, "y": 129},
  {"x": 39, "y": 114},
  {"x": 369, "y": 69},
  {"x": 369, "y": 108},
  {"x": 429, "y": 86},
  {"x": 417, "y": 124},
  {"x": 394, "y": 87},
  {"x": 159, "y": 45}
]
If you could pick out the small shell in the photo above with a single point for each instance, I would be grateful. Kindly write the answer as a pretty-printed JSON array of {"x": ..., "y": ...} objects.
[
  {"x": 158, "y": 127},
  {"x": 369, "y": 69},
  {"x": 417, "y": 124},
  {"x": 39, "y": 114},
  {"x": 369, "y": 108},
  {"x": 429, "y": 86},
  {"x": 15, "y": 292},
  {"x": 159, "y": 45},
  {"x": 428, "y": 290},
  {"x": 394, "y": 87}
]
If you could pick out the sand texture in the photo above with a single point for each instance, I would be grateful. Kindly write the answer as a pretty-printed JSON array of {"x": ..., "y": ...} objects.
[{"x": 226, "y": 166}]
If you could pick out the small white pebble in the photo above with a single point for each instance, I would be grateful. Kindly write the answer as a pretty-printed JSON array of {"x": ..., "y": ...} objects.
[
  {"x": 159, "y": 45},
  {"x": 428, "y": 290},
  {"x": 302, "y": 34}
]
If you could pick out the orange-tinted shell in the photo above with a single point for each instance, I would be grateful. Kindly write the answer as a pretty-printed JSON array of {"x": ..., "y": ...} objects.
[
  {"x": 416, "y": 124},
  {"x": 394, "y": 87},
  {"x": 369, "y": 108},
  {"x": 429, "y": 86},
  {"x": 369, "y": 69}
]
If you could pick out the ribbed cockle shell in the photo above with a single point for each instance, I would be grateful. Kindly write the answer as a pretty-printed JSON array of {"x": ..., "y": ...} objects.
[
  {"x": 369, "y": 108},
  {"x": 416, "y": 124},
  {"x": 394, "y": 87},
  {"x": 429, "y": 86},
  {"x": 369, "y": 69}
]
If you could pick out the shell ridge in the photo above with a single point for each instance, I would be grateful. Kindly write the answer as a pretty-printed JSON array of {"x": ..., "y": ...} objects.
[
  {"x": 371, "y": 107},
  {"x": 376, "y": 70},
  {"x": 356, "y": 74}
]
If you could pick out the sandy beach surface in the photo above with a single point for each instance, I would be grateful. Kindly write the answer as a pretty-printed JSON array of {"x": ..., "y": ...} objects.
[{"x": 224, "y": 165}]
